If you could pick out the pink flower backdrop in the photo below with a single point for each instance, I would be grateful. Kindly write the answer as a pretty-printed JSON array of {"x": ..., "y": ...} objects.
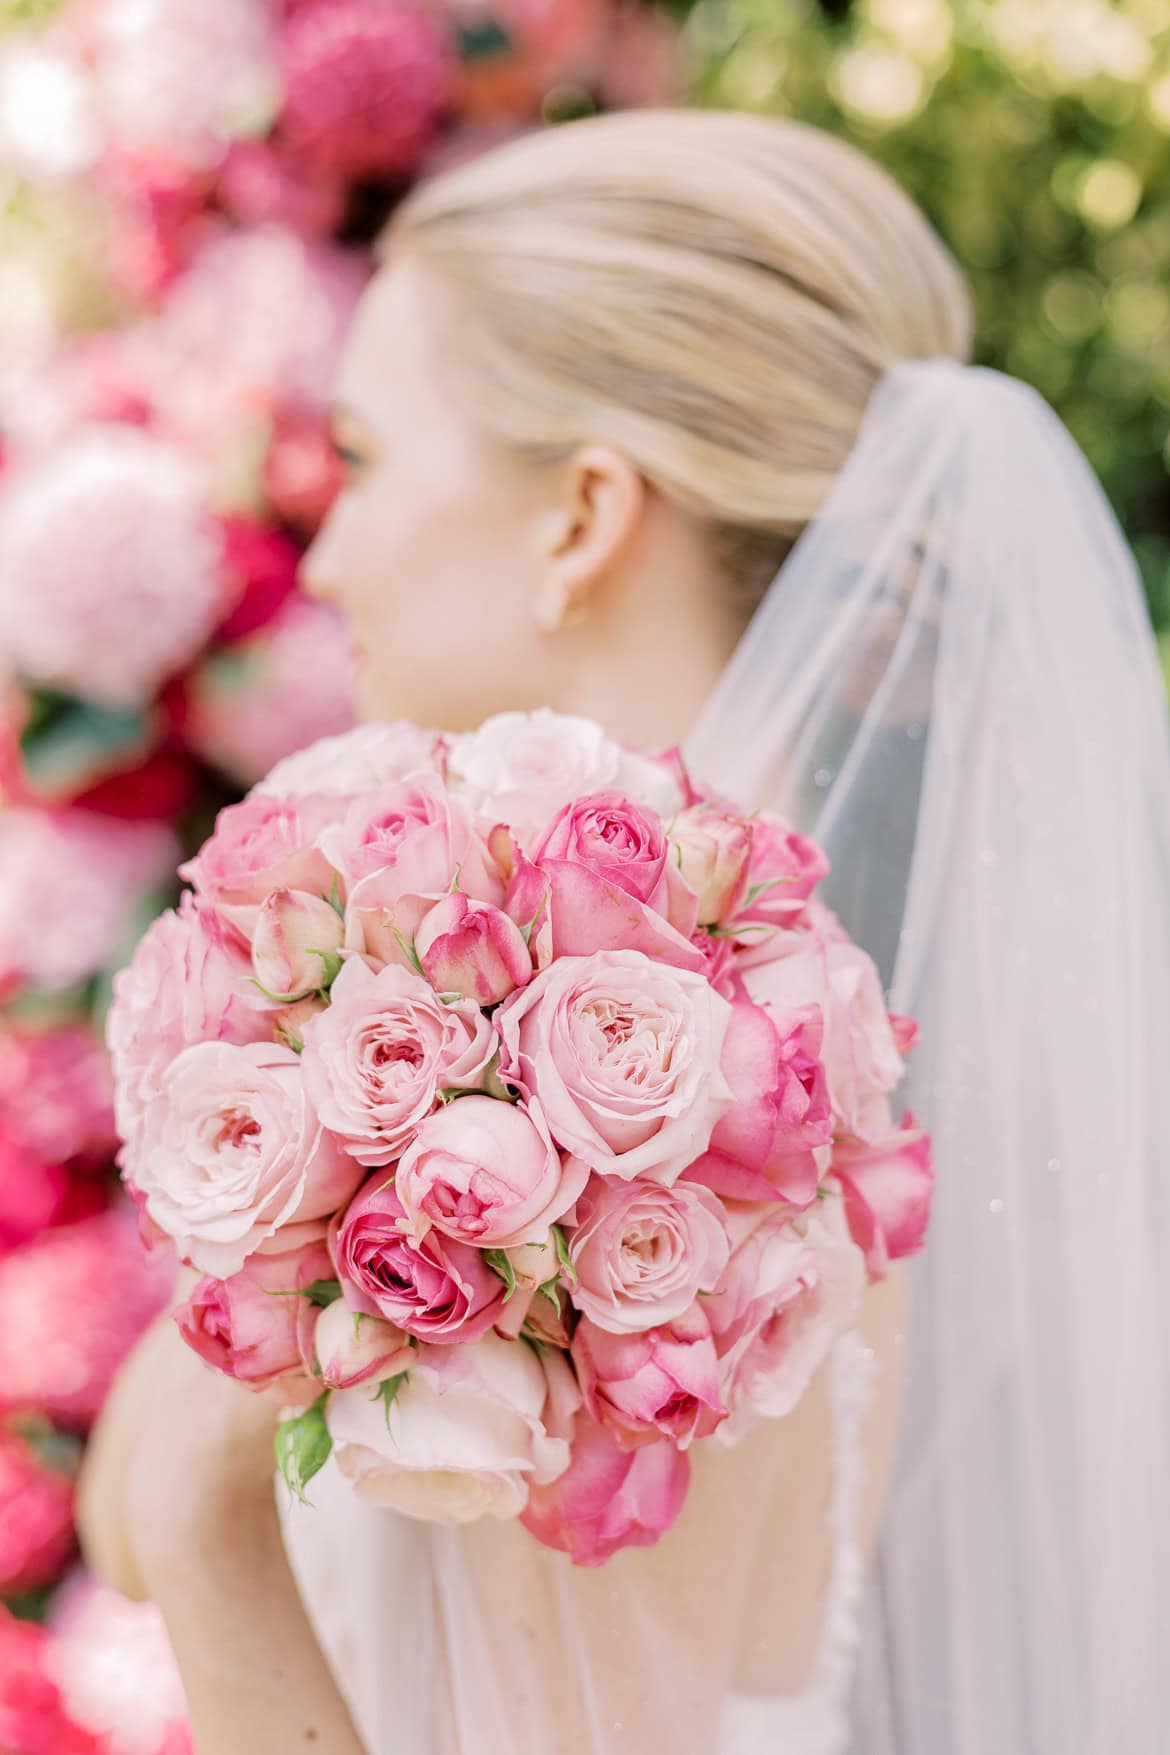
[{"x": 190, "y": 192}]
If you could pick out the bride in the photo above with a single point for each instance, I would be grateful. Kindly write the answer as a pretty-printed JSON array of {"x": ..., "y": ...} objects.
[{"x": 668, "y": 419}]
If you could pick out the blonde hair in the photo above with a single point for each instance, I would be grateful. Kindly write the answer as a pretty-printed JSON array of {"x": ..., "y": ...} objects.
[{"x": 715, "y": 293}]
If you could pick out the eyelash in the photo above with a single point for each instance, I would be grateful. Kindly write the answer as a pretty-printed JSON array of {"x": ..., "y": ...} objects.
[{"x": 350, "y": 458}]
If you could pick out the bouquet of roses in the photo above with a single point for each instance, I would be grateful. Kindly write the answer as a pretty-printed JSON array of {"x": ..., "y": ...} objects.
[{"x": 525, "y": 1112}]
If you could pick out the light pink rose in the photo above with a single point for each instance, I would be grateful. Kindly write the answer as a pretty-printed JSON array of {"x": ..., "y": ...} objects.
[
  {"x": 611, "y": 885},
  {"x": 486, "y": 1172},
  {"x": 713, "y": 848},
  {"x": 861, "y": 1058},
  {"x": 247, "y": 1326},
  {"x": 231, "y": 1151},
  {"x": 784, "y": 870},
  {"x": 353, "y": 1347},
  {"x": 365, "y": 759},
  {"x": 189, "y": 981},
  {"x": 260, "y": 845},
  {"x": 792, "y": 1285},
  {"x": 889, "y": 1185},
  {"x": 663, "y": 1382},
  {"x": 376, "y": 1060},
  {"x": 465, "y": 1436},
  {"x": 473, "y": 949},
  {"x": 401, "y": 850},
  {"x": 608, "y": 1498},
  {"x": 297, "y": 939},
  {"x": 625, "y": 1055},
  {"x": 437, "y": 1289},
  {"x": 641, "y": 1251},
  {"x": 70, "y": 881},
  {"x": 521, "y": 768},
  {"x": 774, "y": 1142}
]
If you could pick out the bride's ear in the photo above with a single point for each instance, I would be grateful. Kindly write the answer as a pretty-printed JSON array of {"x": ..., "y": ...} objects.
[{"x": 598, "y": 508}]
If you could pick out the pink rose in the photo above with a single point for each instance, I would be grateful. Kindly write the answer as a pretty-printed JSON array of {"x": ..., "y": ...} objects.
[
  {"x": 662, "y": 1382},
  {"x": 56, "y": 1092},
  {"x": 611, "y": 884},
  {"x": 376, "y": 1060},
  {"x": 296, "y": 944},
  {"x": 260, "y": 845},
  {"x": 232, "y": 1150},
  {"x": 625, "y": 1055},
  {"x": 608, "y": 1498},
  {"x": 36, "y": 1518},
  {"x": 774, "y": 1142},
  {"x": 782, "y": 874},
  {"x": 889, "y": 1185},
  {"x": 473, "y": 949},
  {"x": 713, "y": 848},
  {"x": 467, "y": 1435},
  {"x": 437, "y": 1289},
  {"x": 366, "y": 759},
  {"x": 188, "y": 982},
  {"x": 247, "y": 1326},
  {"x": 353, "y": 1347},
  {"x": 792, "y": 1285},
  {"x": 861, "y": 1058},
  {"x": 641, "y": 1251},
  {"x": 486, "y": 1172}
]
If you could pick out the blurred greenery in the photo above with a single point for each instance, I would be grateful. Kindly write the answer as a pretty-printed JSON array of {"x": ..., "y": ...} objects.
[{"x": 1035, "y": 134}]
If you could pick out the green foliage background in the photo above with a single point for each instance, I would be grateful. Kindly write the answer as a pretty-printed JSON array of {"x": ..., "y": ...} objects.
[{"x": 1035, "y": 134}]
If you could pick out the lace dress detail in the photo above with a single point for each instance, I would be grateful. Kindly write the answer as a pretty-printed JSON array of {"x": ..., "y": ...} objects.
[{"x": 816, "y": 1721}]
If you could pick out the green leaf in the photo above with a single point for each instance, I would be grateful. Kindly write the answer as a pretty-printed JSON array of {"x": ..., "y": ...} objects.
[
  {"x": 497, "y": 1260},
  {"x": 563, "y": 1254},
  {"x": 387, "y": 1390},
  {"x": 303, "y": 1445}
]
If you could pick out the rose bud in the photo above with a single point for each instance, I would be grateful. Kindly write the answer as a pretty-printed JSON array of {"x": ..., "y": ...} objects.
[
  {"x": 470, "y": 948},
  {"x": 713, "y": 848},
  {"x": 296, "y": 944},
  {"x": 352, "y": 1347}
]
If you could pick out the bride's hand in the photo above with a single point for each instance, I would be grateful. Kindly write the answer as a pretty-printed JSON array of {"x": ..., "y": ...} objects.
[{"x": 180, "y": 1463}]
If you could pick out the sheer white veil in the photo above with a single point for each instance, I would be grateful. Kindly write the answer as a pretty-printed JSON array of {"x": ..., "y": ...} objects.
[{"x": 952, "y": 684}]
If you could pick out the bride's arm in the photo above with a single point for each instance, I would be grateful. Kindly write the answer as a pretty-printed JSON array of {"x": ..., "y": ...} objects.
[{"x": 176, "y": 1504}]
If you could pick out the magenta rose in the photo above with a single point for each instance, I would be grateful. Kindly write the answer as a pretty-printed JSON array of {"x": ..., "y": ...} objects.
[
  {"x": 470, "y": 948},
  {"x": 486, "y": 1172},
  {"x": 262, "y": 844},
  {"x": 437, "y": 1289},
  {"x": 353, "y": 1347},
  {"x": 663, "y": 1382},
  {"x": 792, "y": 1285},
  {"x": 783, "y": 871},
  {"x": 377, "y": 1058},
  {"x": 641, "y": 1251},
  {"x": 608, "y": 1498},
  {"x": 889, "y": 1185},
  {"x": 625, "y": 1056},
  {"x": 611, "y": 883},
  {"x": 252, "y": 1326},
  {"x": 231, "y": 1151}
]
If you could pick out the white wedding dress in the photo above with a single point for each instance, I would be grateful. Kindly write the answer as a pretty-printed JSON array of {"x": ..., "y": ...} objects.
[{"x": 388, "y": 1600}]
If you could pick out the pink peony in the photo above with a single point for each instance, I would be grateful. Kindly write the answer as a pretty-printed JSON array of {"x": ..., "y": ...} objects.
[
  {"x": 608, "y": 1498},
  {"x": 468, "y": 1434},
  {"x": 436, "y": 1289},
  {"x": 248, "y": 1326},
  {"x": 625, "y": 1055},
  {"x": 36, "y": 1517},
  {"x": 72, "y": 1304},
  {"x": 376, "y": 1060},
  {"x": 71, "y": 882},
  {"x": 470, "y": 948},
  {"x": 486, "y": 1172},
  {"x": 109, "y": 567},
  {"x": 663, "y": 1382},
  {"x": 367, "y": 83},
  {"x": 641, "y": 1251},
  {"x": 254, "y": 702},
  {"x": 792, "y": 1285},
  {"x": 189, "y": 982},
  {"x": 260, "y": 845},
  {"x": 888, "y": 1184},
  {"x": 231, "y": 1151}
]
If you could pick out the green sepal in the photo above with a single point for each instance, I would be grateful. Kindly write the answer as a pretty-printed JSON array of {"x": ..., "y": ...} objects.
[
  {"x": 563, "y": 1254},
  {"x": 409, "y": 953},
  {"x": 318, "y": 1292},
  {"x": 387, "y": 1390},
  {"x": 551, "y": 1290},
  {"x": 334, "y": 896},
  {"x": 302, "y": 1446},
  {"x": 497, "y": 1260}
]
